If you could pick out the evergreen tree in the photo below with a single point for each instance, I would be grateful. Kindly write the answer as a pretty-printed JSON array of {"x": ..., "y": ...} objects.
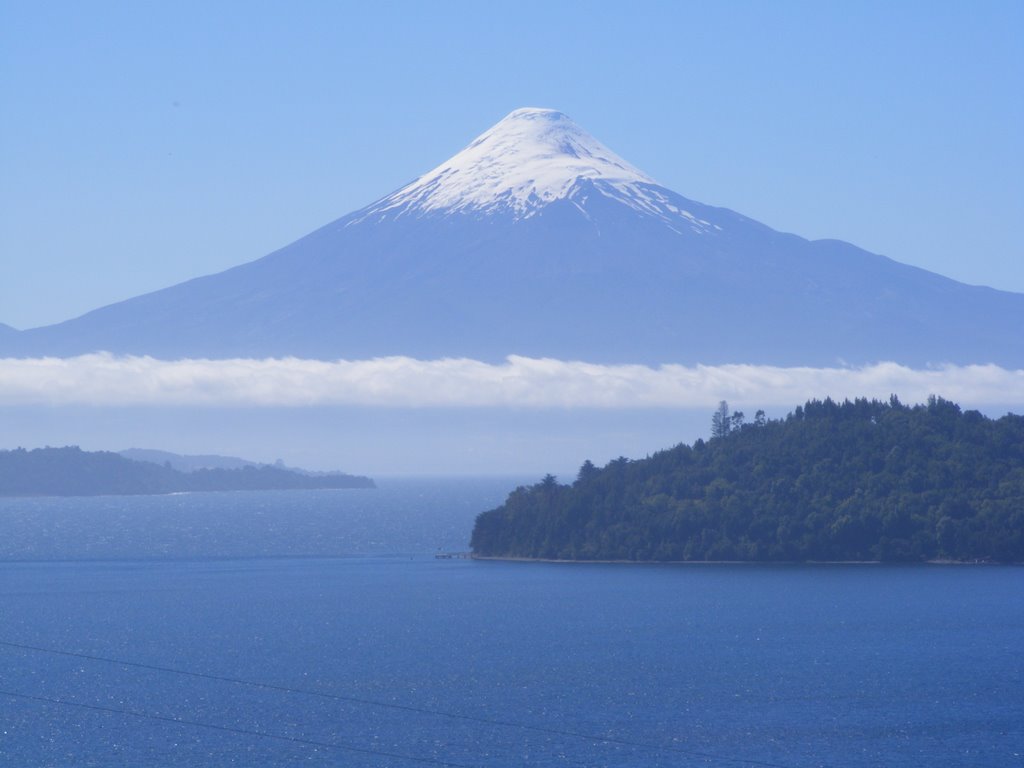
[{"x": 720, "y": 421}]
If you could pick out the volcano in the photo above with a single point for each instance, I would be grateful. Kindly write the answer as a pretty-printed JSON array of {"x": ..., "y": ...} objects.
[{"x": 538, "y": 240}]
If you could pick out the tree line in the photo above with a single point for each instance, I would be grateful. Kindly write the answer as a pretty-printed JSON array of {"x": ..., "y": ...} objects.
[{"x": 851, "y": 481}]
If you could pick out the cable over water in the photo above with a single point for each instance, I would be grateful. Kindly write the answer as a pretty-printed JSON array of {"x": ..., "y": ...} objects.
[
  {"x": 354, "y": 700},
  {"x": 233, "y": 729}
]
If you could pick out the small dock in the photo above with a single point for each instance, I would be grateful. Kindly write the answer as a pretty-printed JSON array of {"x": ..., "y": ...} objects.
[{"x": 452, "y": 555}]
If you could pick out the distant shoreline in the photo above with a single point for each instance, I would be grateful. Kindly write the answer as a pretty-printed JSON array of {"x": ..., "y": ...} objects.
[
  {"x": 179, "y": 493},
  {"x": 70, "y": 471}
]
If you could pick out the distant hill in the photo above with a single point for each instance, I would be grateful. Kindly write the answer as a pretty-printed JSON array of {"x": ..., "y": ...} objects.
[
  {"x": 71, "y": 471},
  {"x": 861, "y": 480},
  {"x": 193, "y": 462},
  {"x": 538, "y": 240},
  {"x": 186, "y": 462}
]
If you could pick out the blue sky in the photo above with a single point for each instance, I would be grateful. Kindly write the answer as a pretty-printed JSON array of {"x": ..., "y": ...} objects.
[{"x": 147, "y": 143}]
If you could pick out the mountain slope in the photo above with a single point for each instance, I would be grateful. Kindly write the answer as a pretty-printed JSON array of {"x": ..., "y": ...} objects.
[{"x": 538, "y": 240}]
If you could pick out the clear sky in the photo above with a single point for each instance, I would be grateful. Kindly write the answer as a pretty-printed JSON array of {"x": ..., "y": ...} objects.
[{"x": 147, "y": 143}]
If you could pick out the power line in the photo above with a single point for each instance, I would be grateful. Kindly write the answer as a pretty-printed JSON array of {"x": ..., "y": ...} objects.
[
  {"x": 232, "y": 729},
  {"x": 403, "y": 707}
]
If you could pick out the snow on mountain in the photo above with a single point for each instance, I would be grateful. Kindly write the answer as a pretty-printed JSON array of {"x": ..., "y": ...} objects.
[{"x": 528, "y": 160}]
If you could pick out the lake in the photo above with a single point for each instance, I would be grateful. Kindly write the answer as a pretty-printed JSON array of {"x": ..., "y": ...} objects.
[{"x": 316, "y": 628}]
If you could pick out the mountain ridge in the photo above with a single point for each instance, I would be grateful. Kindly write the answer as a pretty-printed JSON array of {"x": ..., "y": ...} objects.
[{"x": 604, "y": 266}]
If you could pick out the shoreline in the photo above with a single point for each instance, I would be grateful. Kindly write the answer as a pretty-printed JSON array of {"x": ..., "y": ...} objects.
[{"x": 558, "y": 561}]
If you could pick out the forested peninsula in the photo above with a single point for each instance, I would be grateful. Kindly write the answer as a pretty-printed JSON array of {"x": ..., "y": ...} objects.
[
  {"x": 865, "y": 480},
  {"x": 71, "y": 471}
]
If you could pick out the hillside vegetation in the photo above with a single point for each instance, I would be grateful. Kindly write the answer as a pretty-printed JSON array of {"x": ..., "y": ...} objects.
[{"x": 861, "y": 480}]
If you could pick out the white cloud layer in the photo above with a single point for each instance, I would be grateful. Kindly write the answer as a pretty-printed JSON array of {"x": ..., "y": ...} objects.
[{"x": 109, "y": 380}]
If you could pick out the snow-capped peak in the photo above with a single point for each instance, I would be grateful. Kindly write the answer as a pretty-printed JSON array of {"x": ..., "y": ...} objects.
[{"x": 529, "y": 159}]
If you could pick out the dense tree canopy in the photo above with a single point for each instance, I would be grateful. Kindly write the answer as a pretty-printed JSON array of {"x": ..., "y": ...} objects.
[
  {"x": 860, "y": 480},
  {"x": 73, "y": 472}
]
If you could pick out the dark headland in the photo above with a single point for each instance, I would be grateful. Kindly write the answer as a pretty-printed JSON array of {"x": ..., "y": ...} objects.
[
  {"x": 851, "y": 482},
  {"x": 71, "y": 471}
]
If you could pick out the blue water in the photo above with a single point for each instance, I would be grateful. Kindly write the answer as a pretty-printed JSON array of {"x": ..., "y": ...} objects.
[{"x": 657, "y": 665}]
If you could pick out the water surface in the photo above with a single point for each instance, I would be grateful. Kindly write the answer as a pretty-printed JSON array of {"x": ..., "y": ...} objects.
[{"x": 476, "y": 663}]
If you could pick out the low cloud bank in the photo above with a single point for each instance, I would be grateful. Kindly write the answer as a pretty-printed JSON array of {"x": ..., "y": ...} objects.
[{"x": 109, "y": 380}]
